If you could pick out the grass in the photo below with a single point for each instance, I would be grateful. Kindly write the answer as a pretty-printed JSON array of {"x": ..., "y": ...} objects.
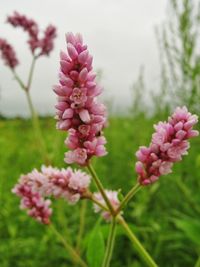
[{"x": 154, "y": 214}]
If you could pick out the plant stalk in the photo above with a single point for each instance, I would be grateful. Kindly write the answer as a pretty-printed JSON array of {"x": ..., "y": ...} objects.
[
  {"x": 128, "y": 197},
  {"x": 110, "y": 244},
  {"x": 138, "y": 246},
  {"x": 74, "y": 255},
  {"x": 30, "y": 77},
  {"x": 34, "y": 115},
  {"x": 100, "y": 188}
]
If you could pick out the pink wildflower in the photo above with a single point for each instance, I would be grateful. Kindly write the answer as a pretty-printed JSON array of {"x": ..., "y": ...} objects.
[
  {"x": 28, "y": 25},
  {"x": 113, "y": 197},
  {"x": 78, "y": 110},
  {"x": 45, "y": 44},
  {"x": 35, "y": 186},
  {"x": 8, "y": 54},
  {"x": 169, "y": 143},
  {"x": 37, "y": 206}
]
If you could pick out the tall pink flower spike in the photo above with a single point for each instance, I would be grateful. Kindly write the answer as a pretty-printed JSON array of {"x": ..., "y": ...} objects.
[
  {"x": 34, "y": 187},
  {"x": 45, "y": 44},
  {"x": 8, "y": 54},
  {"x": 169, "y": 143},
  {"x": 78, "y": 110}
]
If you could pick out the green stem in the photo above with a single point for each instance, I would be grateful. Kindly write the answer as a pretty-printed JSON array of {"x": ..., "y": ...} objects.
[
  {"x": 37, "y": 128},
  {"x": 100, "y": 188},
  {"x": 74, "y": 255},
  {"x": 138, "y": 246},
  {"x": 127, "y": 198},
  {"x": 34, "y": 115},
  {"x": 32, "y": 110},
  {"x": 99, "y": 204},
  {"x": 31, "y": 73},
  {"x": 81, "y": 224},
  {"x": 17, "y": 78},
  {"x": 110, "y": 244}
]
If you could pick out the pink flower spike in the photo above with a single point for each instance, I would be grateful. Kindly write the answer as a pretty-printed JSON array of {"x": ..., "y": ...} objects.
[
  {"x": 44, "y": 45},
  {"x": 8, "y": 54},
  {"x": 81, "y": 114},
  {"x": 169, "y": 143},
  {"x": 36, "y": 187},
  {"x": 47, "y": 42}
]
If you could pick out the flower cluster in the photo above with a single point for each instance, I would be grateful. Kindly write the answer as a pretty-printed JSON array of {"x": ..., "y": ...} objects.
[
  {"x": 45, "y": 44},
  {"x": 36, "y": 186},
  {"x": 36, "y": 205},
  {"x": 8, "y": 54},
  {"x": 113, "y": 198},
  {"x": 78, "y": 111},
  {"x": 169, "y": 143}
]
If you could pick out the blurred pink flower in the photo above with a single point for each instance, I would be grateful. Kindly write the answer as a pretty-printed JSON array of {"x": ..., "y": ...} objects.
[
  {"x": 8, "y": 54},
  {"x": 77, "y": 110},
  {"x": 45, "y": 44},
  {"x": 113, "y": 198},
  {"x": 169, "y": 143},
  {"x": 28, "y": 25},
  {"x": 36, "y": 205}
]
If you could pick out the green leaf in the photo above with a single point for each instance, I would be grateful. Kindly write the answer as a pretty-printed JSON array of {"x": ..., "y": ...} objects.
[
  {"x": 95, "y": 248},
  {"x": 191, "y": 228}
]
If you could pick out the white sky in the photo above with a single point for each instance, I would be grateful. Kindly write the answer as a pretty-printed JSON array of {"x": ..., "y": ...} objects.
[{"x": 119, "y": 34}]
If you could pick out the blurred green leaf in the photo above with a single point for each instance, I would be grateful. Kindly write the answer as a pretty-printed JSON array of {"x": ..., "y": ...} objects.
[
  {"x": 191, "y": 228},
  {"x": 95, "y": 248}
]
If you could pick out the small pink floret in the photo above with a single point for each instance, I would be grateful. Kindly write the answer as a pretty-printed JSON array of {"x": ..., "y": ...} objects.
[{"x": 113, "y": 198}]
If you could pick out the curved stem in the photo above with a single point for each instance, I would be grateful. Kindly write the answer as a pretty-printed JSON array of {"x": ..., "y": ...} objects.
[
  {"x": 128, "y": 197},
  {"x": 100, "y": 188},
  {"x": 74, "y": 255},
  {"x": 110, "y": 244},
  {"x": 138, "y": 246}
]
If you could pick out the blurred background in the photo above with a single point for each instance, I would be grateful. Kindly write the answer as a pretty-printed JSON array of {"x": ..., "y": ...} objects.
[
  {"x": 120, "y": 35},
  {"x": 147, "y": 56}
]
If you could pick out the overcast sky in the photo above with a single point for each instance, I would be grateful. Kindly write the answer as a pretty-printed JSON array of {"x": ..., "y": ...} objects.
[{"x": 119, "y": 34}]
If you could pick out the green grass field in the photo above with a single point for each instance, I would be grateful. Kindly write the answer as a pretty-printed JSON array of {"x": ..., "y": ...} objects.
[{"x": 165, "y": 216}]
